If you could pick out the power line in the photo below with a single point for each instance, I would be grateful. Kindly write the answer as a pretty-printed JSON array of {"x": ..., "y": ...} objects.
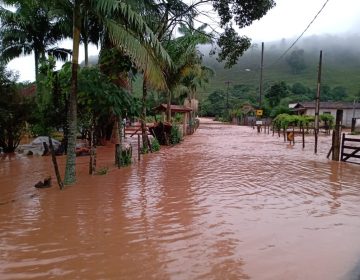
[{"x": 293, "y": 44}]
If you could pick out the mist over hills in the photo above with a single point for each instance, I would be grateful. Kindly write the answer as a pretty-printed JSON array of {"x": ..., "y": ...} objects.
[{"x": 341, "y": 64}]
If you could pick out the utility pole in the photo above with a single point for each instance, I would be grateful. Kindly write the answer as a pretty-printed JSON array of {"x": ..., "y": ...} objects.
[
  {"x": 317, "y": 103},
  {"x": 336, "y": 137},
  {"x": 353, "y": 120},
  {"x": 354, "y": 106},
  {"x": 261, "y": 73}
]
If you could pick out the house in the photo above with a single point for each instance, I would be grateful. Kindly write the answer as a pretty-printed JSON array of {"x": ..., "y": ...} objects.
[
  {"x": 245, "y": 115},
  {"x": 349, "y": 109},
  {"x": 177, "y": 109}
]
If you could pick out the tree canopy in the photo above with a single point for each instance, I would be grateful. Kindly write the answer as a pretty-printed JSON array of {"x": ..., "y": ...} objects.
[
  {"x": 243, "y": 13},
  {"x": 14, "y": 111},
  {"x": 136, "y": 35}
]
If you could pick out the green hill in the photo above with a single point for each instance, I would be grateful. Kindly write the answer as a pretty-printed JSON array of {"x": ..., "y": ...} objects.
[{"x": 341, "y": 65}]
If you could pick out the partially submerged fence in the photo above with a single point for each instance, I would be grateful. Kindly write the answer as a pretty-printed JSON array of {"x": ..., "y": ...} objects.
[{"x": 349, "y": 151}]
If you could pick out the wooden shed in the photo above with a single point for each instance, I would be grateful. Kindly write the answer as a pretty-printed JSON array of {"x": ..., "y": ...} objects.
[{"x": 176, "y": 109}]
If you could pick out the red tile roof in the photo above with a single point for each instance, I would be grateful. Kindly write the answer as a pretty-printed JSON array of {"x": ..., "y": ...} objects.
[{"x": 174, "y": 108}]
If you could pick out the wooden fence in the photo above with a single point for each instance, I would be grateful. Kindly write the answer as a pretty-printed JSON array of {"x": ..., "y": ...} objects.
[{"x": 350, "y": 151}]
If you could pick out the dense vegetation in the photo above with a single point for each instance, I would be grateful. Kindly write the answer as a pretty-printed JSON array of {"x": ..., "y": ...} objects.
[
  {"x": 288, "y": 80},
  {"x": 15, "y": 110},
  {"x": 136, "y": 38}
]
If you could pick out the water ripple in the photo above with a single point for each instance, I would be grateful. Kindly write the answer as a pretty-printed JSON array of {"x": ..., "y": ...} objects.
[{"x": 227, "y": 203}]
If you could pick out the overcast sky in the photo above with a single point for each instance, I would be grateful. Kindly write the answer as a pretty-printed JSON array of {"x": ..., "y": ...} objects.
[
  {"x": 287, "y": 20},
  {"x": 290, "y": 18}
]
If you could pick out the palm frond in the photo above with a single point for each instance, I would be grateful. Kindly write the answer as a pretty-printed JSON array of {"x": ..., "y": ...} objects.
[
  {"x": 60, "y": 53},
  {"x": 10, "y": 53},
  {"x": 134, "y": 22},
  {"x": 140, "y": 54},
  {"x": 180, "y": 90}
]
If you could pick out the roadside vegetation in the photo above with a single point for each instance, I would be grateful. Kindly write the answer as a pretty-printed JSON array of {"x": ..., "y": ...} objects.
[
  {"x": 288, "y": 80},
  {"x": 136, "y": 41}
]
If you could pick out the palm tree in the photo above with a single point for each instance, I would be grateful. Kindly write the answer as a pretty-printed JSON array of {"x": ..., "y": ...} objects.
[
  {"x": 195, "y": 77},
  {"x": 163, "y": 17},
  {"x": 91, "y": 28},
  {"x": 187, "y": 59},
  {"x": 31, "y": 28},
  {"x": 127, "y": 31}
]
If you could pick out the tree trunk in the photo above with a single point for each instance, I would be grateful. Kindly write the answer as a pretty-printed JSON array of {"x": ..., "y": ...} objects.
[
  {"x": 37, "y": 58},
  {"x": 86, "y": 45},
  {"x": 56, "y": 167},
  {"x": 117, "y": 134},
  {"x": 85, "y": 36},
  {"x": 143, "y": 115},
  {"x": 168, "y": 109},
  {"x": 70, "y": 169},
  {"x": 92, "y": 161},
  {"x": 191, "y": 116}
]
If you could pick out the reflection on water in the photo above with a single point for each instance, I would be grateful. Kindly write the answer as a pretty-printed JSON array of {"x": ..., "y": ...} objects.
[{"x": 227, "y": 203}]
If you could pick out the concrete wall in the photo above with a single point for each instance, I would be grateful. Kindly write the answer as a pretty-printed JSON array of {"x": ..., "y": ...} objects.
[{"x": 347, "y": 114}]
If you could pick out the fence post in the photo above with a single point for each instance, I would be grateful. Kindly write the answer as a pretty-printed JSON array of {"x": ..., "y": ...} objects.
[
  {"x": 342, "y": 147},
  {"x": 303, "y": 136},
  {"x": 353, "y": 123},
  {"x": 294, "y": 135},
  {"x": 336, "y": 136},
  {"x": 138, "y": 147}
]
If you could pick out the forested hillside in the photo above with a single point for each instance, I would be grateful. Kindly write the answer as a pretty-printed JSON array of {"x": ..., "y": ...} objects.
[
  {"x": 297, "y": 68},
  {"x": 341, "y": 64}
]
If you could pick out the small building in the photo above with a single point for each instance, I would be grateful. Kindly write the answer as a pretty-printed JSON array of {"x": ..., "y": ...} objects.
[
  {"x": 349, "y": 109},
  {"x": 245, "y": 115},
  {"x": 248, "y": 115},
  {"x": 176, "y": 109}
]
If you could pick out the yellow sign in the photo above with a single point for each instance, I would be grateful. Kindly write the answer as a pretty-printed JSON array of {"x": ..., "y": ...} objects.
[{"x": 259, "y": 112}]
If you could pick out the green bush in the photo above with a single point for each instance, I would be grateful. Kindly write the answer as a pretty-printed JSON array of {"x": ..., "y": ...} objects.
[
  {"x": 155, "y": 145},
  {"x": 15, "y": 111},
  {"x": 175, "y": 136},
  {"x": 328, "y": 119},
  {"x": 284, "y": 120},
  {"x": 126, "y": 158},
  {"x": 178, "y": 118}
]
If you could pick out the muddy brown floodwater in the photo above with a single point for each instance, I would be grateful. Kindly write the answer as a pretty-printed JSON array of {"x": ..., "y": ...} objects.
[{"x": 227, "y": 203}]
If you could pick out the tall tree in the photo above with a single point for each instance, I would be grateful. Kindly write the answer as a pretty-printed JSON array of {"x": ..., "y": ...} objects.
[
  {"x": 164, "y": 16},
  {"x": 129, "y": 32},
  {"x": 91, "y": 27},
  {"x": 277, "y": 92},
  {"x": 242, "y": 13},
  {"x": 15, "y": 110},
  {"x": 70, "y": 170},
  {"x": 195, "y": 74},
  {"x": 187, "y": 60},
  {"x": 31, "y": 28}
]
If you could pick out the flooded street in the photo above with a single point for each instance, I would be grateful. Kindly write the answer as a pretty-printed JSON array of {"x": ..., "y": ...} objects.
[{"x": 227, "y": 203}]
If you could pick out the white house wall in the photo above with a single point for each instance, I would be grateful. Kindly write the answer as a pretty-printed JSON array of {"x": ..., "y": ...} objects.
[{"x": 347, "y": 114}]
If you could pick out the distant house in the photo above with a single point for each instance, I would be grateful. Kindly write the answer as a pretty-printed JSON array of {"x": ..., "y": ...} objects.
[
  {"x": 308, "y": 108},
  {"x": 247, "y": 114}
]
